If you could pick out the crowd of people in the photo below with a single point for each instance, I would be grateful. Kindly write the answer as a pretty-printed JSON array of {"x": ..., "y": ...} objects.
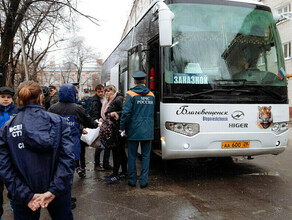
[{"x": 38, "y": 160}]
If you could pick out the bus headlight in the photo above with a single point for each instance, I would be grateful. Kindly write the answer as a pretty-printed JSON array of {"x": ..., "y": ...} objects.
[
  {"x": 188, "y": 129},
  {"x": 280, "y": 127}
]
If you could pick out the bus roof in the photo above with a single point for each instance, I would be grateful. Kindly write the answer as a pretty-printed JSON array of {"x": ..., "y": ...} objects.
[
  {"x": 248, "y": 1},
  {"x": 146, "y": 5}
]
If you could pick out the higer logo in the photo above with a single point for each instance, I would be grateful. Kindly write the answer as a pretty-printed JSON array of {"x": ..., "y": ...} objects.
[
  {"x": 16, "y": 131},
  {"x": 238, "y": 115}
]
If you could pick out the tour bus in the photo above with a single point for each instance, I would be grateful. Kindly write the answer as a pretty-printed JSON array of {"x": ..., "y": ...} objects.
[{"x": 217, "y": 70}]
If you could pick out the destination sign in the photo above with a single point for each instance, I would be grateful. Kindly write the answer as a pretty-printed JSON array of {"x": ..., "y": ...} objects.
[{"x": 190, "y": 78}]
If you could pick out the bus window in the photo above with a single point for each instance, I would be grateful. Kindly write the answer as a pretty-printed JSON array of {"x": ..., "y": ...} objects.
[{"x": 134, "y": 63}]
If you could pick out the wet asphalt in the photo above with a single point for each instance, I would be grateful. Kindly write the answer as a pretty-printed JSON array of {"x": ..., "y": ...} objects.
[{"x": 232, "y": 188}]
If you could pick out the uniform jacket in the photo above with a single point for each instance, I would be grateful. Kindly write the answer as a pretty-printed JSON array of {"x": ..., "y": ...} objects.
[
  {"x": 74, "y": 114},
  {"x": 95, "y": 107},
  {"x": 138, "y": 114},
  {"x": 36, "y": 154},
  {"x": 6, "y": 112},
  {"x": 86, "y": 103}
]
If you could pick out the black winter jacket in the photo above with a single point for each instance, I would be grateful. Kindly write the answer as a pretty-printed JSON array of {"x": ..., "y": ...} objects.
[
  {"x": 116, "y": 105},
  {"x": 74, "y": 114},
  {"x": 95, "y": 107}
]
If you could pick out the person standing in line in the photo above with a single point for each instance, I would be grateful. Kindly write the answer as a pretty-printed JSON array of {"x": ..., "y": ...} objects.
[
  {"x": 112, "y": 109},
  {"x": 47, "y": 97},
  {"x": 7, "y": 108},
  {"x": 37, "y": 159},
  {"x": 7, "y": 111},
  {"x": 95, "y": 112},
  {"x": 54, "y": 97},
  {"x": 81, "y": 164},
  {"x": 75, "y": 117},
  {"x": 86, "y": 101},
  {"x": 76, "y": 85},
  {"x": 137, "y": 122}
]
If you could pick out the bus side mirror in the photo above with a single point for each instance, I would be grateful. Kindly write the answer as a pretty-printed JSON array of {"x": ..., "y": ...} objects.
[
  {"x": 277, "y": 17},
  {"x": 165, "y": 17}
]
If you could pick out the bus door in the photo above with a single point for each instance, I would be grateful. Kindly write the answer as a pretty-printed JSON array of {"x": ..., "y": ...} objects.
[{"x": 154, "y": 79}]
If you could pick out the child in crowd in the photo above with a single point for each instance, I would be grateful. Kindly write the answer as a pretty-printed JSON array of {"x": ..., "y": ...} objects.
[{"x": 7, "y": 110}]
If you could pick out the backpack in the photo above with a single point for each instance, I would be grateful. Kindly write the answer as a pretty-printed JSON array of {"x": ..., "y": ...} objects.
[{"x": 108, "y": 134}]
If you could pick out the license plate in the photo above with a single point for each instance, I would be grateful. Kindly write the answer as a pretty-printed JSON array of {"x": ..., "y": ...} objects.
[{"x": 241, "y": 144}]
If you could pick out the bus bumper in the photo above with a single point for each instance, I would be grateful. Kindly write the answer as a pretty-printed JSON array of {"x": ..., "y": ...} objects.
[{"x": 176, "y": 146}]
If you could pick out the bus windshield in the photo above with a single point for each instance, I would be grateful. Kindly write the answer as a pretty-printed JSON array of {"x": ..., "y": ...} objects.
[{"x": 224, "y": 54}]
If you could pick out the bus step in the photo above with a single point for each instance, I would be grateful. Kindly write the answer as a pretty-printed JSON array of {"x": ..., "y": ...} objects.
[{"x": 158, "y": 152}]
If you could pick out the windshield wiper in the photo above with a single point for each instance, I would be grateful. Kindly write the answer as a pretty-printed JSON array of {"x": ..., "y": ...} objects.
[
  {"x": 235, "y": 81},
  {"x": 183, "y": 97}
]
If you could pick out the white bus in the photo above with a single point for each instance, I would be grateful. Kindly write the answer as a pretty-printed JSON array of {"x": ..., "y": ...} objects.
[{"x": 217, "y": 70}]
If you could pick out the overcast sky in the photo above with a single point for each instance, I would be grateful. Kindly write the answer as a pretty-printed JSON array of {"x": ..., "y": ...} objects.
[{"x": 112, "y": 16}]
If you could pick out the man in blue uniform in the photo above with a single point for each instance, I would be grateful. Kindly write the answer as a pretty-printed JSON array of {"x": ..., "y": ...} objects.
[
  {"x": 137, "y": 122},
  {"x": 75, "y": 116},
  {"x": 36, "y": 158}
]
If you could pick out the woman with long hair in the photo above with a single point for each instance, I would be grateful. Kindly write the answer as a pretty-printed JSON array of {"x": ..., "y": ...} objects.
[
  {"x": 112, "y": 108},
  {"x": 37, "y": 158}
]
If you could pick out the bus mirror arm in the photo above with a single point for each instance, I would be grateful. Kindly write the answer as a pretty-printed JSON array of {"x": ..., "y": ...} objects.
[
  {"x": 283, "y": 16},
  {"x": 165, "y": 17}
]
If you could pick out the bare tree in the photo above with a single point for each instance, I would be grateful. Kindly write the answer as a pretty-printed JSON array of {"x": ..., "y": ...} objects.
[
  {"x": 35, "y": 16},
  {"x": 78, "y": 54},
  {"x": 67, "y": 73}
]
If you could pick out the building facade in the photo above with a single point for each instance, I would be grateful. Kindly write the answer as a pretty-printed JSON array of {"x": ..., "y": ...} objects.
[{"x": 59, "y": 74}]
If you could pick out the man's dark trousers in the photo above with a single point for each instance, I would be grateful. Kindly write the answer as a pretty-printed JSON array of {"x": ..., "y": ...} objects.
[{"x": 145, "y": 156}]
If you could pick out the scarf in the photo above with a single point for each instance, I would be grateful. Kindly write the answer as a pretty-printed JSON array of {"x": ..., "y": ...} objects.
[{"x": 106, "y": 104}]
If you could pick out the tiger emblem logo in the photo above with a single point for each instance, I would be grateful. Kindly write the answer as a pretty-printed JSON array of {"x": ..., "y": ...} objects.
[{"x": 265, "y": 117}]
